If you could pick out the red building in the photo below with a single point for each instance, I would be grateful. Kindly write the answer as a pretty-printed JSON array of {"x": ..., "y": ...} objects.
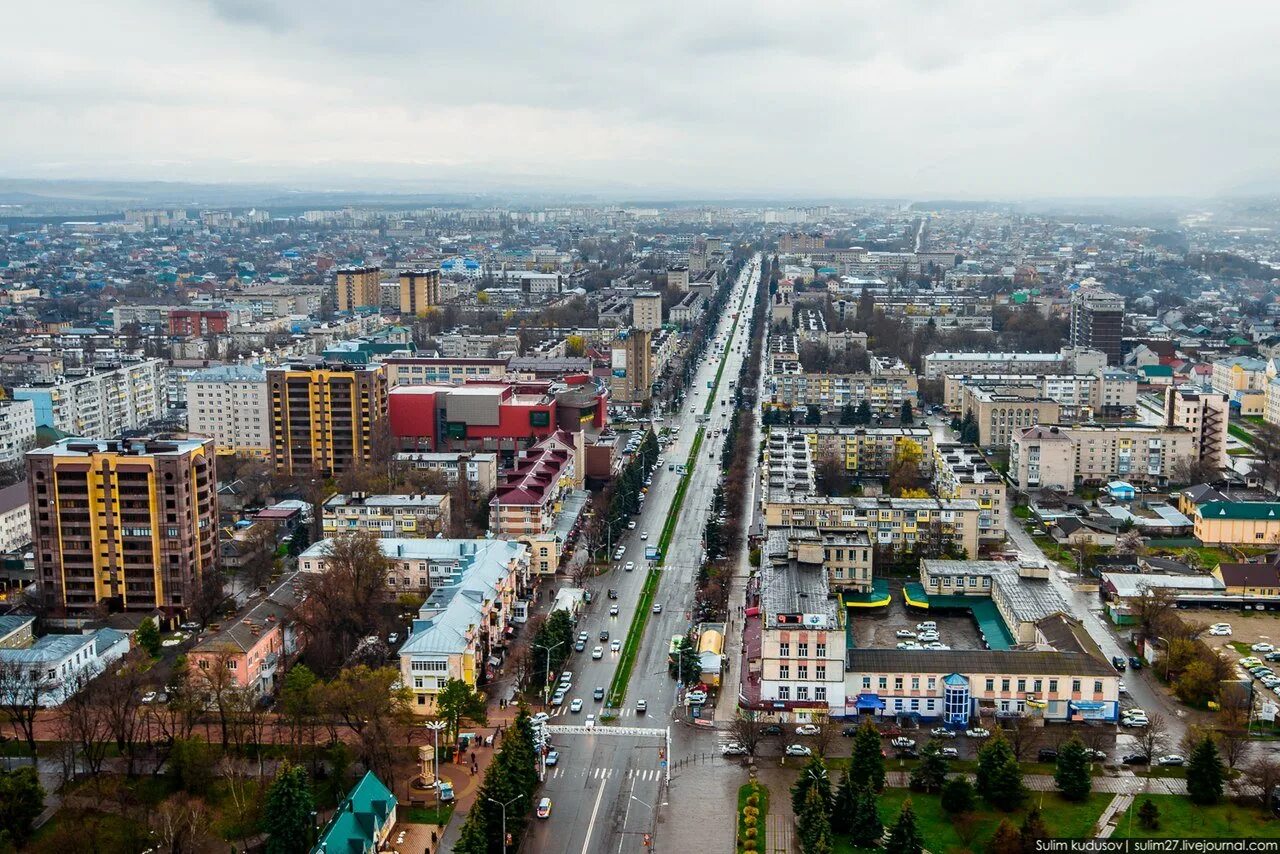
[
  {"x": 486, "y": 415},
  {"x": 192, "y": 323}
]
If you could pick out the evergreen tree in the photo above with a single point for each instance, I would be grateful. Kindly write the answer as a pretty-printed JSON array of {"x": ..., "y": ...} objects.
[
  {"x": 863, "y": 415},
  {"x": 814, "y": 823},
  {"x": 300, "y": 539},
  {"x": 865, "y": 826},
  {"x": 931, "y": 773},
  {"x": 1033, "y": 830},
  {"x": 474, "y": 836},
  {"x": 1007, "y": 839},
  {"x": 999, "y": 775},
  {"x": 907, "y": 417},
  {"x": 286, "y": 817},
  {"x": 814, "y": 776},
  {"x": 846, "y": 415},
  {"x": 1072, "y": 775},
  {"x": 21, "y": 802},
  {"x": 1149, "y": 815},
  {"x": 843, "y": 806},
  {"x": 866, "y": 765},
  {"x": 904, "y": 836},
  {"x": 1205, "y": 774},
  {"x": 148, "y": 637},
  {"x": 957, "y": 795}
]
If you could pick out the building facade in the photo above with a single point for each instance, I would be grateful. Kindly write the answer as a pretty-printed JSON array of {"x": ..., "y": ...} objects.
[
  {"x": 1097, "y": 322},
  {"x": 419, "y": 291},
  {"x": 230, "y": 405},
  {"x": 101, "y": 401},
  {"x": 357, "y": 287},
  {"x": 387, "y": 516},
  {"x": 479, "y": 470},
  {"x": 326, "y": 419}
]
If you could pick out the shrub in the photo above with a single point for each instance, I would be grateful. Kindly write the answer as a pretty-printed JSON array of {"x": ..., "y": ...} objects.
[
  {"x": 753, "y": 800},
  {"x": 750, "y": 821},
  {"x": 749, "y": 845},
  {"x": 751, "y": 811},
  {"x": 751, "y": 833}
]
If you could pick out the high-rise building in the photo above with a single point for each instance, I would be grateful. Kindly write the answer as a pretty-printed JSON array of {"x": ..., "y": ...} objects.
[
  {"x": 419, "y": 291},
  {"x": 1097, "y": 322},
  {"x": 1205, "y": 414},
  {"x": 130, "y": 523},
  {"x": 326, "y": 418},
  {"x": 646, "y": 311},
  {"x": 358, "y": 287},
  {"x": 101, "y": 401},
  {"x": 230, "y": 404}
]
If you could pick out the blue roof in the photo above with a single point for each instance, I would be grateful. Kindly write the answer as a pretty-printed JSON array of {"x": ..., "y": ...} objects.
[{"x": 357, "y": 825}]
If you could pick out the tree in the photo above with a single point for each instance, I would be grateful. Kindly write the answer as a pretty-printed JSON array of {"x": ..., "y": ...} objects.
[
  {"x": 1191, "y": 470},
  {"x": 21, "y": 802},
  {"x": 181, "y": 823},
  {"x": 866, "y": 765},
  {"x": 1072, "y": 775},
  {"x": 1261, "y": 777},
  {"x": 904, "y": 836},
  {"x": 22, "y": 693},
  {"x": 747, "y": 730},
  {"x": 844, "y": 806},
  {"x": 148, "y": 637},
  {"x": 473, "y": 837},
  {"x": 343, "y": 603},
  {"x": 374, "y": 705},
  {"x": 458, "y": 701},
  {"x": 814, "y": 776},
  {"x": 957, "y": 796},
  {"x": 191, "y": 763},
  {"x": 1149, "y": 815},
  {"x": 863, "y": 413},
  {"x": 1007, "y": 839},
  {"x": 814, "y": 823},
  {"x": 684, "y": 663},
  {"x": 904, "y": 470},
  {"x": 1205, "y": 773},
  {"x": 865, "y": 826},
  {"x": 999, "y": 778},
  {"x": 286, "y": 817},
  {"x": 1152, "y": 736},
  {"x": 931, "y": 773},
  {"x": 298, "y": 703},
  {"x": 1033, "y": 830},
  {"x": 552, "y": 642},
  {"x": 907, "y": 416}
]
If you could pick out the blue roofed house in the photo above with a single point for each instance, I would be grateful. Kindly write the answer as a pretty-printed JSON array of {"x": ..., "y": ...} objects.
[
  {"x": 362, "y": 822},
  {"x": 48, "y": 670}
]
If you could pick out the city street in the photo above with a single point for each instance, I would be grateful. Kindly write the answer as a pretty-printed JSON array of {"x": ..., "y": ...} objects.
[{"x": 609, "y": 784}]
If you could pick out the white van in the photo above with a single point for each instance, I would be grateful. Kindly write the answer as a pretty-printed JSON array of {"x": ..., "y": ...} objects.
[{"x": 927, "y": 626}]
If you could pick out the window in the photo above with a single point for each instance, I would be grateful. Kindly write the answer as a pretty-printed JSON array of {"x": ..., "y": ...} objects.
[
  {"x": 915, "y": 683},
  {"x": 1075, "y": 686},
  {"x": 784, "y": 650},
  {"x": 820, "y": 693},
  {"x": 1053, "y": 686},
  {"x": 897, "y": 683},
  {"x": 1037, "y": 686},
  {"x": 1022, "y": 686},
  {"x": 884, "y": 683},
  {"x": 1097, "y": 686},
  {"x": 784, "y": 671},
  {"x": 802, "y": 650},
  {"x": 802, "y": 671},
  {"x": 933, "y": 683},
  {"x": 784, "y": 692},
  {"x": 866, "y": 683},
  {"x": 802, "y": 692},
  {"x": 991, "y": 686},
  {"x": 1004, "y": 685},
  {"x": 820, "y": 671},
  {"x": 821, "y": 650}
]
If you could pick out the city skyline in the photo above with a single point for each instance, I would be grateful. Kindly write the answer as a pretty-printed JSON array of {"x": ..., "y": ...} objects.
[{"x": 1107, "y": 100}]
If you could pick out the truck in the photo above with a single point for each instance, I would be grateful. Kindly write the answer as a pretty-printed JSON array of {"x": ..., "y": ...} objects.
[{"x": 651, "y": 553}]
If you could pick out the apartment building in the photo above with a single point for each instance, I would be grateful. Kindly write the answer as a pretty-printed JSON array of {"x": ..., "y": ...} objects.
[
  {"x": 937, "y": 364},
  {"x": 646, "y": 311},
  {"x": 847, "y": 556},
  {"x": 960, "y": 471},
  {"x": 357, "y": 287},
  {"x": 479, "y": 470},
  {"x": 230, "y": 404},
  {"x": 678, "y": 278},
  {"x": 103, "y": 401},
  {"x": 326, "y": 418},
  {"x": 1097, "y": 322},
  {"x": 1237, "y": 523},
  {"x": 899, "y": 523},
  {"x": 256, "y": 647},
  {"x": 15, "y": 518},
  {"x": 51, "y": 669},
  {"x": 1001, "y": 411},
  {"x": 527, "y": 498},
  {"x": 427, "y": 370},
  {"x": 419, "y": 291},
  {"x": 861, "y": 451},
  {"x": 832, "y": 392},
  {"x": 17, "y": 430},
  {"x": 154, "y": 533},
  {"x": 1108, "y": 391},
  {"x": 1063, "y": 456},
  {"x": 387, "y": 516},
  {"x": 1205, "y": 416}
]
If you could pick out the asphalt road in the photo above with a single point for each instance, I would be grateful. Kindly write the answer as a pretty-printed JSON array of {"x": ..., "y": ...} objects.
[{"x": 609, "y": 784}]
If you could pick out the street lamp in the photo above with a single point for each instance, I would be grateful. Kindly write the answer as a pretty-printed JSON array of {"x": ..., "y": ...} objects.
[
  {"x": 504, "y": 818},
  {"x": 435, "y": 727},
  {"x": 546, "y": 673}
]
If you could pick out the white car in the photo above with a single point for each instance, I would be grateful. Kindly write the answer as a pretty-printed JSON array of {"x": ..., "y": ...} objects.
[
  {"x": 733, "y": 749},
  {"x": 613, "y": 610},
  {"x": 696, "y": 697},
  {"x": 644, "y": 535},
  {"x": 948, "y": 753},
  {"x": 1135, "y": 721},
  {"x": 978, "y": 732},
  {"x": 798, "y": 750},
  {"x": 808, "y": 729},
  {"x": 927, "y": 637},
  {"x": 1262, "y": 647},
  {"x": 149, "y": 697},
  {"x": 1220, "y": 629},
  {"x": 1171, "y": 759},
  {"x": 1123, "y": 689},
  {"x": 576, "y": 705},
  {"x": 936, "y": 645},
  {"x": 541, "y": 717},
  {"x": 943, "y": 732},
  {"x": 631, "y": 526},
  {"x": 590, "y": 722},
  {"x": 904, "y": 633},
  {"x": 902, "y": 742},
  {"x": 927, "y": 626},
  {"x": 598, "y": 652},
  {"x": 909, "y": 645},
  {"x": 631, "y": 564},
  {"x": 616, "y": 646}
]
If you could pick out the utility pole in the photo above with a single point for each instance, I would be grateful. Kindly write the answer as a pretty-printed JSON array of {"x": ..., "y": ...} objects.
[
  {"x": 504, "y": 818},
  {"x": 546, "y": 673}
]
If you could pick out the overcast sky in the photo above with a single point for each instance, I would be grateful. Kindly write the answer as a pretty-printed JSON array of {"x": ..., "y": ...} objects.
[{"x": 834, "y": 98}]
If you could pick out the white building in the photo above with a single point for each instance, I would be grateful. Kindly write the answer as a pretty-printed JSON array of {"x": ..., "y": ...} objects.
[
  {"x": 101, "y": 402},
  {"x": 17, "y": 430},
  {"x": 480, "y": 469},
  {"x": 15, "y": 518},
  {"x": 230, "y": 405},
  {"x": 52, "y": 668}
]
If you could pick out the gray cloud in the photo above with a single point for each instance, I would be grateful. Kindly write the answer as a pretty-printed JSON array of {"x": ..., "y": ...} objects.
[{"x": 998, "y": 98}]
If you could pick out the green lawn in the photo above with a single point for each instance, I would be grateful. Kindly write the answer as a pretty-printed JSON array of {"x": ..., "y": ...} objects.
[
  {"x": 743, "y": 793},
  {"x": 1240, "y": 433},
  {"x": 431, "y": 815},
  {"x": 1021, "y": 511},
  {"x": 942, "y": 832},
  {"x": 1180, "y": 820}
]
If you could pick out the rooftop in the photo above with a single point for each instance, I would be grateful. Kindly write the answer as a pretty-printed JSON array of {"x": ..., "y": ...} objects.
[{"x": 947, "y": 661}]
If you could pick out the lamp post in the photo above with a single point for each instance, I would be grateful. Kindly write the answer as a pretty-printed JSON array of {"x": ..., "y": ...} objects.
[
  {"x": 436, "y": 727},
  {"x": 546, "y": 674},
  {"x": 504, "y": 818}
]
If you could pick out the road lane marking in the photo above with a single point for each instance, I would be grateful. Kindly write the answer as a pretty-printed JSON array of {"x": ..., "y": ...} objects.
[{"x": 586, "y": 843}]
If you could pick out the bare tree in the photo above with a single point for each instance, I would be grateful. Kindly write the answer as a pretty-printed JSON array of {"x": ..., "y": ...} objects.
[
  {"x": 216, "y": 681},
  {"x": 1153, "y": 609},
  {"x": 1152, "y": 737},
  {"x": 1232, "y": 729},
  {"x": 824, "y": 737},
  {"x": 748, "y": 730},
  {"x": 1022, "y": 736},
  {"x": 343, "y": 603},
  {"x": 1259, "y": 778},
  {"x": 24, "y": 688},
  {"x": 82, "y": 723},
  {"x": 181, "y": 824},
  {"x": 244, "y": 801},
  {"x": 119, "y": 691}
]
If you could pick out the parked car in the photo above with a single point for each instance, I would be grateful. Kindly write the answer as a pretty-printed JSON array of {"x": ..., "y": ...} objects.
[
  {"x": 908, "y": 753},
  {"x": 849, "y": 731},
  {"x": 904, "y": 633},
  {"x": 1117, "y": 661},
  {"x": 1047, "y": 754},
  {"x": 948, "y": 753},
  {"x": 1135, "y": 662},
  {"x": 557, "y": 699},
  {"x": 943, "y": 732},
  {"x": 1135, "y": 721},
  {"x": 1135, "y": 759},
  {"x": 1263, "y": 647},
  {"x": 544, "y": 808},
  {"x": 733, "y": 749},
  {"x": 1171, "y": 760},
  {"x": 696, "y": 696},
  {"x": 978, "y": 732},
  {"x": 553, "y": 757},
  {"x": 798, "y": 750},
  {"x": 1220, "y": 629},
  {"x": 772, "y": 729},
  {"x": 903, "y": 742},
  {"x": 808, "y": 729}
]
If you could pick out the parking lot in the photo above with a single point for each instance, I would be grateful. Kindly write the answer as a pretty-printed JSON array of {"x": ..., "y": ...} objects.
[
  {"x": 878, "y": 628},
  {"x": 1247, "y": 627}
]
